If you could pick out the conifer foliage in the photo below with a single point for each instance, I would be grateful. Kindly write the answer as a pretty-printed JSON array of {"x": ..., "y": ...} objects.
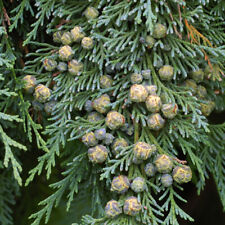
[{"x": 120, "y": 96}]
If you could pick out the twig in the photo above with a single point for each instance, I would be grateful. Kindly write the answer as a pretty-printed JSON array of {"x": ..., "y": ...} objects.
[
  {"x": 7, "y": 19},
  {"x": 174, "y": 27},
  {"x": 183, "y": 162},
  {"x": 55, "y": 74},
  {"x": 62, "y": 22},
  {"x": 178, "y": 6}
]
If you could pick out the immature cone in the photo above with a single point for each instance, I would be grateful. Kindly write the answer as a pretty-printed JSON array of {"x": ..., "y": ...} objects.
[
  {"x": 49, "y": 64},
  {"x": 66, "y": 38},
  {"x": 77, "y": 33},
  {"x": 137, "y": 161},
  {"x": 166, "y": 73},
  {"x": 138, "y": 184},
  {"x": 49, "y": 106},
  {"x": 112, "y": 209},
  {"x": 114, "y": 120},
  {"x": 98, "y": 154},
  {"x": 66, "y": 53},
  {"x": 143, "y": 150},
  {"x": 130, "y": 130},
  {"x": 166, "y": 180},
  {"x": 30, "y": 83},
  {"x": 101, "y": 104},
  {"x": 118, "y": 145},
  {"x": 100, "y": 134},
  {"x": 132, "y": 206},
  {"x": 136, "y": 78},
  {"x": 106, "y": 81},
  {"x": 94, "y": 117},
  {"x": 212, "y": 70},
  {"x": 155, "y": 122},
  {"x": 120, "y": 184},
  {"x": 201, "y": 92},
  {"x": 182, "y": 174},
  {"x": 88, "y": 106},
  {"x": 150, "y": 42},
  {"x": 159, "y": 31},
  {"x": 75, "y": 67},
  {"x": 169, "y": 110},
  {"x": 146, "y": 74},
  {"x": 37, "y": 106},
  {"x": 57, "y": 36},
  {"x": 164, "y": 98},
  {"x": 89, "y": 139},
  {"x": 207, "y": 107},
  {"x": 42, "y": 93},
  {"x": 197, "y": 75},
  {"x": 138, "y": 93},
  {"x": 62, "y": 67},
  {"x": 151, "y": 89},
  {"x": 163, "y": 163},
  {"x": 108, "y": 139},
  {"x": 150, "y": 170},
  {"x": 153, "y": 103},
  {"x": 87, "y": 43},
  {"x": 191, "y": 85},
  {"x": 91, "y": 13}
]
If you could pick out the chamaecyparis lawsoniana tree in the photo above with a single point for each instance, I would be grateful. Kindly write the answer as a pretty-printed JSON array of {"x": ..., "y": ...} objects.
[{"x": 117, "y": 94}]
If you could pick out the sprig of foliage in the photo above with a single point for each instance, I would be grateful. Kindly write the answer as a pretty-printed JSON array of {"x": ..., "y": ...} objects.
[
  {"x": 173, "y": 209},
  {"x": 73, "y": 176},
  {"x": 8, "y": 191},
  {"x": 19, "y": 11},
  {"x": 9, "y": 143},
  {"x": 214, "y": 157}
]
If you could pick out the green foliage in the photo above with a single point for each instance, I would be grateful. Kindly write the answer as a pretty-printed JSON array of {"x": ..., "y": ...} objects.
[
  {"x": 195, "y": 39},
  {"x": 74, "y": 175},
  {"x": 6, "y": 119},
  {"x": 213, "y": 156},
  {"x": 9, "y": 189}
]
